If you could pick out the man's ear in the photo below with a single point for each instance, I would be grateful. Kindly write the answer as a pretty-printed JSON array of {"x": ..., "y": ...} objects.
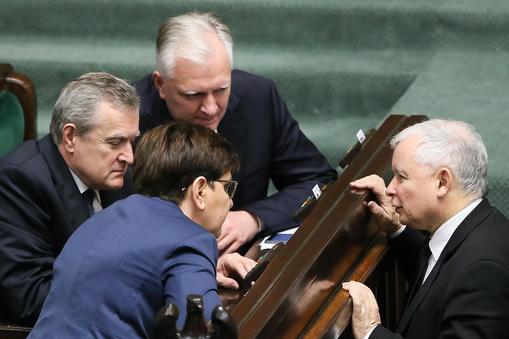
[
  {"x": 68, "y": 135},
  {"x": 159, "y": 82},
  {"x": 444, "y": 179},
  {"x": 198, "y": 192}
]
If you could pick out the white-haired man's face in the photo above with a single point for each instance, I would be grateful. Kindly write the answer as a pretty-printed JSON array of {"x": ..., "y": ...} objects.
[
  {"x": 198, "y": 93},
  {"x": 414, "y": 188}
]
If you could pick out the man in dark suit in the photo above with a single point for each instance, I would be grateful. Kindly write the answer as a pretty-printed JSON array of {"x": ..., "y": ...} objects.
[
  {"x": 459, "y": 286},
  {"x": 125, "y": 263},
  {"x": 194, "y": 82},
  {"x": 41, "y": 184}
]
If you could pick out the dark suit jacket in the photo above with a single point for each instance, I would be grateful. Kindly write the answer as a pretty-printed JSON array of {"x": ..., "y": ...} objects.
[
  {"x": 269, "y": 142},
  {"x": 40, "y": 206},
  {"x": 122, "y": 265},
  {"x": 466, "y": 295}
]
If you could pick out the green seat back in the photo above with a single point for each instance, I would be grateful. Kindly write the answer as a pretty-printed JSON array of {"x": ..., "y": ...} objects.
[{"x": 11, "y": 122}]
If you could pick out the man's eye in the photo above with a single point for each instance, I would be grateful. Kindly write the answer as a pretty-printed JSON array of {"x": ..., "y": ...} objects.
[
  {"x": 191, "y": 96},
  {"x": 114, "y": 142}
]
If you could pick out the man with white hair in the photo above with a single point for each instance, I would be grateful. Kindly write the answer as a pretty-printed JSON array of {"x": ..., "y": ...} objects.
[
  {"x": 49, "y": 187},
  {"x": 194, "y": 81},
  {"x": 453, "y": 250}
]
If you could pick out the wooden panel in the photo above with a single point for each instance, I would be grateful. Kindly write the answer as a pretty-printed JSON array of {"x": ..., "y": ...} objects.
[{"x": 299, "y": 294}]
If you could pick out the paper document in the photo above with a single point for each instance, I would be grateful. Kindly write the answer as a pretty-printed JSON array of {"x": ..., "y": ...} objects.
[{"x": 270, "y": 241}]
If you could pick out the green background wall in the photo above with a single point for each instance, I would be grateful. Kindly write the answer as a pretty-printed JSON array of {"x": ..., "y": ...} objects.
[{"x": 341, "y": 65}]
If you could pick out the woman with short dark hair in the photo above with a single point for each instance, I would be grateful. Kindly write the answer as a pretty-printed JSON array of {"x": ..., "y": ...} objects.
[{"x": 127, "y": 261}]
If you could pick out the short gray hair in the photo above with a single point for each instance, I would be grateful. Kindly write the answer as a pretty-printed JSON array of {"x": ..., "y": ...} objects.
[
  {"x": 79, "y": 100},
  {"x": 183, "y": 37},
  {"x": 455, "y": 145}
]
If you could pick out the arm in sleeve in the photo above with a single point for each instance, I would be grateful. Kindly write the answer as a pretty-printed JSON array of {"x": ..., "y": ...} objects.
[
  {"x": 296, "y": 166},
  {"x": 191, "y": 269},
  {"x": 26, "y": 249}
]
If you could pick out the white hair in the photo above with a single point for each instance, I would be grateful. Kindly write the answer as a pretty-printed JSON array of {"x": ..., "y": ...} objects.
[
  {"x": 80, "y": 99},
  {"x": 183, "y": 37},
  {"x": 455, "y": 145}
]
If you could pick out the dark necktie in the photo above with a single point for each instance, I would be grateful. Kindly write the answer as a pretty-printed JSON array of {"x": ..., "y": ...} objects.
[{"x": 89, "y": 196}]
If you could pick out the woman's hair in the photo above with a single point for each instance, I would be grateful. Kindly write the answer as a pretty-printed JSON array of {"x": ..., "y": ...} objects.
[{"x": 170, "y": 157}]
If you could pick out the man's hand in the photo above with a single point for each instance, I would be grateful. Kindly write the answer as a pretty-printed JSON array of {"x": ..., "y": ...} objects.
[
  {"x": 385, "y": 214},
  {"x": 365, "y": 315},
  {"x": 238, "y": 228},
  {"x": 232, "y": 264}
]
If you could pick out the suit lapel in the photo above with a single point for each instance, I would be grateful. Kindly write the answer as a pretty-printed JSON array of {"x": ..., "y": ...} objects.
[
  {"x": 480, "y": 213},
  {"x": 233, "y": 128},
  {"x": 70, "y": 197}
]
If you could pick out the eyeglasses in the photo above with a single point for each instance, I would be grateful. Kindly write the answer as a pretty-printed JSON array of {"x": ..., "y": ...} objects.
[{"x": 230, "y": 186}]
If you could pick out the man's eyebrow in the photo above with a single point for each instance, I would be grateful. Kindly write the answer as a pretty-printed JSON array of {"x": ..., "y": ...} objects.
[
  {"x": 193, "y": 92},
  {"x": 121, "y": 137}
]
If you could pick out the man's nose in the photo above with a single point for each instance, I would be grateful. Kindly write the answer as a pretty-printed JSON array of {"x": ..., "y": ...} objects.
[
  {"x": 390, "y": 190},
  {"x": 126, "y": 155},
  {"x": 209, "y": 105}
]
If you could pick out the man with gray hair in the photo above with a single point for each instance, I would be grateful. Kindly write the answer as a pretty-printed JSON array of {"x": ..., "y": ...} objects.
[
  {"x": 195, "y": 82},
  {"x": 453, "y": 250},
  {"x": 49, "y": 187}
]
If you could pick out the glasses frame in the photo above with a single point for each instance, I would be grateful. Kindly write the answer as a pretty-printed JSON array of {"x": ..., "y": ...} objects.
[{"x": 227, "y": 185}]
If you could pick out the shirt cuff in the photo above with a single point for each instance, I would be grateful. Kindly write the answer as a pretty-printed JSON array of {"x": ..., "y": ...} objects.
[{"x": 398, "y": 232}]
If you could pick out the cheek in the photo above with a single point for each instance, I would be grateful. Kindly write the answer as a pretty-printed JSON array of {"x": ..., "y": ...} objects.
[
  {"x": 182, "y": 109},
  {"x": 223, "y": 100}
]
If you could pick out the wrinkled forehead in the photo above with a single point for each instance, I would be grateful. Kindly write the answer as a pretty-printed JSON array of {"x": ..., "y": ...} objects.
[{"x": 110, "y": 119}]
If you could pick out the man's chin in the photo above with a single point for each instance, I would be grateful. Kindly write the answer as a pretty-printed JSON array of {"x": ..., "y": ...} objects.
[{"x": 115, "y": 184}]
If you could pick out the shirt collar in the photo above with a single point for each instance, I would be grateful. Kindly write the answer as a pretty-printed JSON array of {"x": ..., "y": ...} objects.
[
  {"x": 82, "y": 187},
  {"x": 444, "y": 233}
]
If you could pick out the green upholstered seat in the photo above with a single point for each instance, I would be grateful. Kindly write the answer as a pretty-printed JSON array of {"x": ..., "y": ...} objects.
[{"x": 11, "y": 122}]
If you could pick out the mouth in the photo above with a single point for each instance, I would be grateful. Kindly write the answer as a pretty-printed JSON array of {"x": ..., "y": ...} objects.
[
  {"x": 119, "y": 171},
  {"x": 206, "y": 121}
]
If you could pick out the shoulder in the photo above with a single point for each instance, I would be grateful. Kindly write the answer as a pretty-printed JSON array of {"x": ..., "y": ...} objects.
[
  {"x": 488, "y": 241},
  {"x": 28, "y": 158},
  {"x": 144, "y": 86},
  {"x": 255, "y": 97},
  {"x": 245, "y": 83},
  {"x": 22, "y": 154}
]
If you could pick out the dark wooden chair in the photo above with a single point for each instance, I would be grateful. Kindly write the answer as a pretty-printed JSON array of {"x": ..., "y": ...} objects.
[{"x": 18, "y": 108}]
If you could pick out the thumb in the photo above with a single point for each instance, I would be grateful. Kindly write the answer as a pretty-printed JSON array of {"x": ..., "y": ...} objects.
[{"x": 226, "y": 282}]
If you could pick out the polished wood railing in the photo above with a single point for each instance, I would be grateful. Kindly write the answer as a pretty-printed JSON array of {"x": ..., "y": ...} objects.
[{"x": 299, "y": 294}]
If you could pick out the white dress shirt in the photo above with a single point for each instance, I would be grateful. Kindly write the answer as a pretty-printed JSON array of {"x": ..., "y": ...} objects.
[
  {"x": 442, "y": 235},
  {"x": 82, "y": 187}
]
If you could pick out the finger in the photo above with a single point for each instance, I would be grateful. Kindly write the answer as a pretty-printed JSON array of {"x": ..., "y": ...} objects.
[
  {"x": 232, "y": 246},
  {"x": 225, "y": 242},
  {"x": 236, "y": 264},
  {"x": 248, "y": 263},
  {"x": 377, "y": 209},
  {"x": 224, "y": 234},
  {"x": 227, "y": 282}
]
